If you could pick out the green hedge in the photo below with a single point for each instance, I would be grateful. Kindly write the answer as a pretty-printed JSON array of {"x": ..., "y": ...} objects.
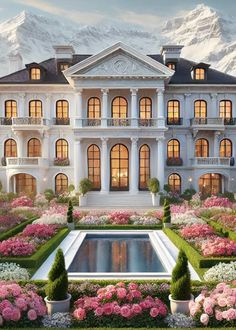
[
  {"x": 194, "y": 257},
  {"x": 35, "y": 260},
  {"x": 16, "y": 229},
  {"x": 118, "y": 227},
  {"x": 218, "y": 227}
]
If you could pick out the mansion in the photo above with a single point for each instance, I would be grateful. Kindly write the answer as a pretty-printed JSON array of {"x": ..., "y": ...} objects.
[{"x": 117, "y": 117}]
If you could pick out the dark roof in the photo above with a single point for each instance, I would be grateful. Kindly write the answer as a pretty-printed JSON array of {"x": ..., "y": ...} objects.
[{"x": 182, "y": 73}]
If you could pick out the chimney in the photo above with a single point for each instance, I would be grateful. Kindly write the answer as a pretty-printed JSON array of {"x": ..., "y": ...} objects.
[
  {"x": 171, "y": 53},
  {"x": 15, "y": 62},
  {"x": 64, "y": 52}
]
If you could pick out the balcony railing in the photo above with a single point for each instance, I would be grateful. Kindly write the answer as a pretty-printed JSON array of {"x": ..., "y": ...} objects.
[
  {"x": 174, "y": 161},
  {"x": 174, "y": 121},
  {"x": 119, "y": 122},
  {"x": 229, "y": 121},
  {"x": 61, "y": 121},
  {"x": 207, "y": 121},
  {"x": 213, "y": 161},
  {"x": 26, "y": 161},
  {"x": 5, "y": 121},
  {"x": 91, "y": 122},
  {"x": 23, "y": 121}
]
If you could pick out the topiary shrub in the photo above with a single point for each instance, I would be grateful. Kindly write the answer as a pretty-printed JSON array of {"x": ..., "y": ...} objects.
[
  {"x": 180, "y": 287},
  {"x": 71, "y": 188},
  {"x": 49, "y": 194},
  {"x": 166, "y": 214},
  {"x": 188, "y": 194},
  {"x": 85, "y": 186},
  {"x": 153, "y": 185},
  {"x": 57, "y": 286},
  {"x": 70, "y": 212}
]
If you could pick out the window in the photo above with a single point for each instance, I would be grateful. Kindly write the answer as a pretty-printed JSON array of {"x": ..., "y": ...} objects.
[
  {"x": 119, "y": 108},
  {"x": 35, "y": 109},
  {"x": 173, "y": 117},
  {"x": 94, "y": 166},
  {"x": 225, "y": 148},
  {"x": 199, "y": 74},
  {"x": 35, "y": 74},
  {"x": 226, "y": 111},
  {"x": 200, "y": 109},
  {"x": 171, "y": 65},
  {"x": 174, "y": 182},
  {"x": 145, "y": 108},
  {"x": 10, "y": 148},
  {"x": 94, "y": 108},
  {"x": 173, "y": 150},
  {"x": 25, "y": 183},
  {"x": 34, "y": 148},
  {"x": 201, "y": 148},
  {"x": 210, "y": 184},
  {"x": 62, "y": 109},
  {"x": 61, "y": 183},
  {"x": 63, "y": 66},
  {"x": 144, "y": 166},
  {"x": 119, "y": 159},
  {"x": 10, "y": 109},
  {"x": 62, "y": 149}
]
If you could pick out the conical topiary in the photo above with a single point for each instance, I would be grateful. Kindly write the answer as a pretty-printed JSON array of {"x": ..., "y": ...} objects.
[
  {"x": 70, "y": 212},
  {"x": 57, "y": 286},
  {"x": 180, "y": 288},
  {"x": 167, "y": 214}
]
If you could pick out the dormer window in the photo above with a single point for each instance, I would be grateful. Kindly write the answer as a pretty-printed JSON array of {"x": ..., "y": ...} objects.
[
  {"x": 171, "y": 65},
  {"x": 63, "y": 66},
  {"x": 35, "y": 74},
  {"x": 199, "y": 74}
]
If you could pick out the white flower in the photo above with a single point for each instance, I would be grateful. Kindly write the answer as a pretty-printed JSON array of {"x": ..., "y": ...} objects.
[
  {"x": 58, "y": 219},
  {"x": 13, "y": 272},
  {"x": 185, "y": 218},
  {"x": 221, "y": 272},
  {"x": 179, "y": 320}
]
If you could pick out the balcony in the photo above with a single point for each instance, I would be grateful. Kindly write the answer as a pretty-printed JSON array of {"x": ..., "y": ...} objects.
[
  {"x": 29, "y": 123},
  {"x": 5, "y": 121},
  {"x": 174, "y": 121},
  {"x": 174, "y": 161},
  {"x": 207, "y": 123},
  {"x": 61, "y": 121},
  {"x": 230, "y": 121},
  {"x": 14, "y": 162},
  {"x": 120, "y": 122},
  {"x": 212, "y": 161},
  {"x": 61, "y": 162}
]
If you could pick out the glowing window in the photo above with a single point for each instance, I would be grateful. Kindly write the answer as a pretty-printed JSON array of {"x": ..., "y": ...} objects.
[
  {"x": 62, "y": 149},
  {"x": 173, "y": 149},
  {"x": 35, "y": 74}
]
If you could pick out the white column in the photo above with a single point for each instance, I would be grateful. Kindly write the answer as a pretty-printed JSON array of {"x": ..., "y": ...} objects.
[
  {"x": 47, "y": 108},
  {"x": 216, "y": 144},
  {"x": 20, "y": 144},
  {"x": 78, "y": 163},
  {"x": 104, "y": 114},
  {"x": 188, "y": 112},
  {"x": 104, "y": 167},
  {"x": 79, "y": 106},
  {"x": 45, "y": 145},
  {"x": 160, "y": 107},
  {"x": 161, "y": 161},
  {"x": 21, "y": 111},
  {"x": 134, "y": 166},
  {"x": 134, "y": 107},
  {"x": 189, "y": 148},
  {"x": 214, "y": 108}
]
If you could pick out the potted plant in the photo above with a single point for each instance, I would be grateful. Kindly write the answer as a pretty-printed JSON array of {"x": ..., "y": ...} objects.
[
  {"x": 153, "y": 186},
  {"x": 180, "y": 288},
  {"x": 70, "y": 220},
  {"x": 57, "y": 299},
  {"x": 167, "y": 215},
  {"x": 85, "y": 186}
]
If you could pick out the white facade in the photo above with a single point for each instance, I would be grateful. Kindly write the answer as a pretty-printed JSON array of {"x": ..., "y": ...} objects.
[{"x": 118, "y": 71}]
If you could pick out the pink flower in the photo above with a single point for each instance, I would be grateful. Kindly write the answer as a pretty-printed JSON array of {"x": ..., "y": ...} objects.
[
  {"x": 7, "y": 313},
  {"x": 218, "y": 315},
  {"x": 22, "y": 201},
  {"x": 136, "y": 309},
  {"x": 154, "y": 312},
  {"x": 79, "y": 314},
  {"x": 121, "y": 293},
  {"x": 21, "y": 303},
  {"x": 108, "y": 295},
  {"x": 32, "y": 315},
  {"x": 204, "y": 319},
  {"x": 116, "y": 309},
  {"x": 135, "y": 293},
  {"x": 125, "y": 311},
  {"x": 132, "y": 286},
  {"x": 98, "y": 311},
  {"x": 108, "y": 308},
  {"x": 230, "y": 314},
  {"x": 16, "y": 315},
  {"x": 208, "y": 310},
  {"x": 222, "y": 302}
]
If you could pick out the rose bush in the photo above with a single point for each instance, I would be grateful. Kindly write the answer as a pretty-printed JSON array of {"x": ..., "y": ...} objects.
[
  {"x": 39, "y": 230},
  {"x": 22, "y": 201},
  {"x": 196, "y": 230},
  {"x": 217, "y": 201},
  {"x": 16, "y": 246}
]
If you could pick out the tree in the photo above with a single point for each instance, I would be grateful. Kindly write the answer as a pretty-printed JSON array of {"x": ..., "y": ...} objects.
[
  {"x": 70, "y": 212},
  {"x": 167, "y": 214}
]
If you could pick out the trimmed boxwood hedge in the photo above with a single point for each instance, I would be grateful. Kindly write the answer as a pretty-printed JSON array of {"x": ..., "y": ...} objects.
[
  {"x": 218, "y": 227},
  {"x": 35, "y": 260},
  {"x": 194, "y": 257},
  {"x": 16, "y": 229},
  {"x": 118, "y": 227}
]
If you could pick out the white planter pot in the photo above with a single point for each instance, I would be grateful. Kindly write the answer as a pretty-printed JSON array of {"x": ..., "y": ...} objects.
[
  {"x": 155, "y": 199},
  {"x": 180, "y": 306},
  {"x": 167, "y": 225},
  {"x": 62, "y": 306},
  {"x": 82, "y": 200},
  {"x": 71, "y": 225}
]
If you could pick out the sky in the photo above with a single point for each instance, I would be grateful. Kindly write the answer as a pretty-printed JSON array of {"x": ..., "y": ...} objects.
[{"x": 149, "y": 12}]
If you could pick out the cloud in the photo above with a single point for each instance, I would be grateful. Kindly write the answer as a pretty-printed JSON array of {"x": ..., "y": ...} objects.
[
  {"x": 73, "y": 14},
  {"x": 145, "y": 20}
]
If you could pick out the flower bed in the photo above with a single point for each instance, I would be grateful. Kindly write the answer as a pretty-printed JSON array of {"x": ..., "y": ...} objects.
[
  {"x": 222, "y": 272},
  {"x": 217, "y": 201},
  {"x": 226, "y": 220},
  {"x": 22, "y": 201},
  {"x": 8, "y": 221},
  {"x": 12, "y": 271}
]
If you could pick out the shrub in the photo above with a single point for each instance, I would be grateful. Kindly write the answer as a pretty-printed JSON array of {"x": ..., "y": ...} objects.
[
  {"x": 188, "y": 194},
  {"x": 153, "y": 185},
  {"x": 70, "y": 213},
  {"x": 217, "y": 201},
  {"x": 85, "y": 186},
  {"x": 71, "y": 188},
  {"x": 22, "y": 201},
  {"x": 180, "y": 288},
  {"x": 167, "y": 214},
  {"x": 39, "y": 230},
  {"x": 57, "y": 286},
  {"x": 217, "y": 246},
  {"x": 49, "y": 194},
  {"x": 229, "y": 195},
  {"x": 16, "y": 246},
  {"x": 40, "y": 200},
  {"x": 196, "y": 230}
]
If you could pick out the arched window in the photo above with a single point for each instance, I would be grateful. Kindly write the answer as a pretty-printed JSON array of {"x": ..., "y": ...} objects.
[
  {"x": 200, "y": 109},
  {"x": 62, "y": 109},
  {"x": 173, "y": 149},
  {"x": 226, "y": 111},
  {"x": 119, "y": 108},
  {"x": 173, "y": 112},
  {"x": 202, "y": 148},
  {"x": 94, "y": 166},
  {"x": 34, "y": 148},
  {"x": 210, "y": 184},
  {"x": 145, "y": 108},
  {"x": 25, "y": 183},
  {"x": 35, "y": 109},
  {"x": 94, "y": 108},
  {"x": 61, "y": 183},
  {"x": 174, "y": 182},
  {"x": 119, "y": 160},
  {"x": 35, "y": 74},
  {"x": 10, "y": 109},
  {"x": 144, "y": 166},
  {"x": 225, "y": 148},
  {"x": 199, "y": 73},
  {"x": 61, "y": 149},
  {"x": 10, "y": 148}
]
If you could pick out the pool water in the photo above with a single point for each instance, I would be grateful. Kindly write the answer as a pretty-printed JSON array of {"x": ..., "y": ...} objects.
[{"x": 104, "y": 253}]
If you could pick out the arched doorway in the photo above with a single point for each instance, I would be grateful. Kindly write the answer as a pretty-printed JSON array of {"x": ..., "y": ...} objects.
[
  {"x": 24, "y": 183},
  {"x": 210, "y": 184},
  {"x": 119, "y": 161}
]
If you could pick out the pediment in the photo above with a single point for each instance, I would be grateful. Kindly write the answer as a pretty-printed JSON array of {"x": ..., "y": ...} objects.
[{"x": 119, "y": 60}]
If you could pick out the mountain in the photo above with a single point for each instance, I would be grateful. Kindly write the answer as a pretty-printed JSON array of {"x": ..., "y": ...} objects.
[{"x": 205, "y": 33}]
